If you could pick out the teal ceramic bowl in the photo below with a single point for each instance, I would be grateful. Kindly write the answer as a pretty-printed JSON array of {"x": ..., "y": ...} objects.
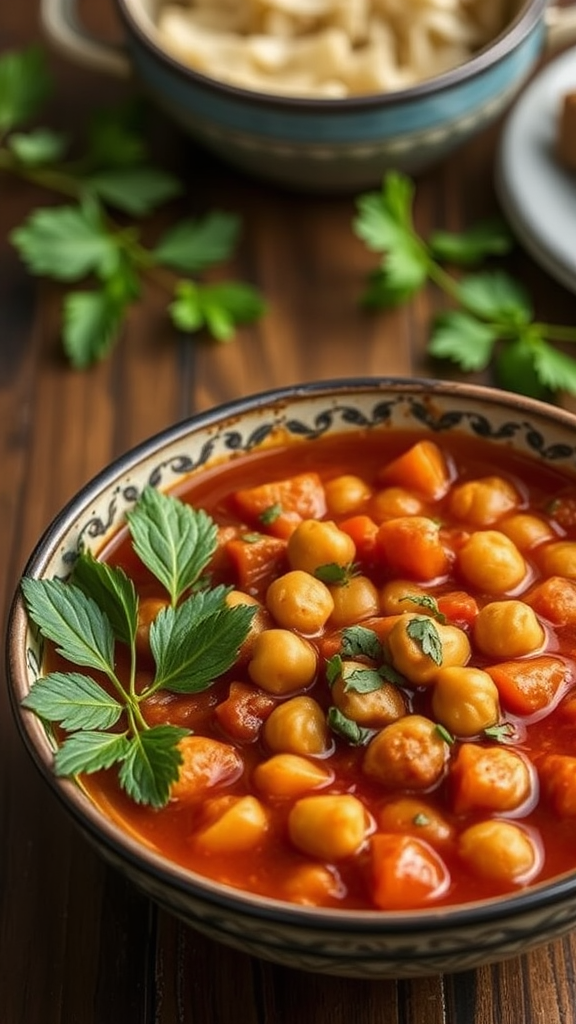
[
  {"x": 348, "y": 943},
  {"x": 323, "y": 145}
]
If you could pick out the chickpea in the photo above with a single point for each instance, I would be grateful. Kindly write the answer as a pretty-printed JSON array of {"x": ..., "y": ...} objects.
[
  {"x": 260, "y": 621},
  {"x": 346, "y": 494},
  {"x": 282, "y": 662},
  {"x": 392, "y": 502},
  {"x": 465, "y": 700},
  {"x": 317, "y": 542},
  {"x": 206, "y": 763},
  {"x": 507, "y": 629},
  {"x": 240, "y": 824},
  {"x": 558, "y": 559},
  {"x": 373, "y": 709},
  {"x": 406, "y": 872},
  {"x": 354, "y": 600},
  {"x": 312, "y": 885},
  {"x": 490, "y": 561},
  {"x": 415, "y": 817},
  {"x": 489, "y": 778},
  {"x": 398, "y": 596},
  {"x": 148, "y": 610},
  {"x": 297, "y": 726},
  {"x": 408, "y": 754},
  {"x": 289, "y": 775},
  {"x": 328, "y": 826},
  {"x": 297, "y": 600},
  {"x": 499, "y": 851},
  {"x": 484, "y": 501},
  {"x": 419, "y": 647},
  {"x": 526, "y": 531}
]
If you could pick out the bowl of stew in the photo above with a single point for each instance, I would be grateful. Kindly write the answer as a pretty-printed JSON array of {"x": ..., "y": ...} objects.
[{"x": 303, "y": 668}]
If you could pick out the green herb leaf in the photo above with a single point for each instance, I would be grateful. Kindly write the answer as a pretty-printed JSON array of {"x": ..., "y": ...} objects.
[
  {"x": 503, "y": 732},
  {"x": 361, "y": 680},
  {"x": 74, "y": 701},
  {"x": 334, "y": 667},
  {"x": 424, "y": 633},
  {"x": 24, "y": 85},
  {"x": 86, "y": 752},
  {"x": 192, "y": 647},
  {"x": 445, "y": 734},
  {"x": 428, "y": 602},
  {"x": 113, "y": 590},
  {"x": 333, "y": 574},
  {"x": 489, "y": 238},
  {"x": 496, "y": 297},
  {"x": 115, "y": 135},
  {"x": 218, "y": 307},
  {"x": 463, "y": 339},
  {"x": 38, "y": 147},
  {"x": 194, "y": 245},
  {"x": 271, "y": 514},
  {"x": 134, "y": 190},
  {"x": 73, "y": 621},
  {"x": 66, "y": 242},
  {"x": 555, "y": 369},
  {"x": 348, "y": 729},
  {"x": 91, "y": 323},
  {"x": 151, "y": 764},
  {"x": 174, "y": 541},
  {"x": 358, "y": 641}
]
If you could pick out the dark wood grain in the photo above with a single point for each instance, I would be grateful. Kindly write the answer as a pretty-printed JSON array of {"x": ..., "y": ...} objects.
[{"x": 78, "y": 945}]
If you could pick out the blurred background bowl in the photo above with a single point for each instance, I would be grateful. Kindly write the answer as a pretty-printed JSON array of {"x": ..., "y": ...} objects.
[
  {"x": 348, "y": 943},
  {"x": 326, "y": 145}
]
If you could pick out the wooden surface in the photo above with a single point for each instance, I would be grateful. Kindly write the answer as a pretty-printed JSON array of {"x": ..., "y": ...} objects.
[{"x": 78, "y": 945}]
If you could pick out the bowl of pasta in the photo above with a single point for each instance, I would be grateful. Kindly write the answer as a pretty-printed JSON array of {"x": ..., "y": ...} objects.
[
  {"x": 324, "y": 95},
  {"x": 303, "y": 669}
]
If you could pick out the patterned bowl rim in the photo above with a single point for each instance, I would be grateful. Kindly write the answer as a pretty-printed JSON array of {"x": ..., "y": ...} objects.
[{"x": 133, "y": 853}]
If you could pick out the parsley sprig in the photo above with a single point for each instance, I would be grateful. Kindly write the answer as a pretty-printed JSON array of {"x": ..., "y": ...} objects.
[
  {"x": 491, "y": 319},
  {"x": 80, "y": 240},
  {"x": 194, "y": 639}
]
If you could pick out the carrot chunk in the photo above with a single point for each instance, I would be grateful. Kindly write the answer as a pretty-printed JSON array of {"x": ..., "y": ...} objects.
[
  {"x": 423, "y": 468},
  {"x": 557, "y": 774},
  {"x": 244, "y": 711},
  {"x": 412, "y": 546},
  {"x": 530, "y": 685},
  {"x": 280, "y": 505},
  {"x": 362, "y": 529},
  {"x": 406, "y": 872},
  {"x": 459, "y": 607},
  {"x": 257, "y": 560}
]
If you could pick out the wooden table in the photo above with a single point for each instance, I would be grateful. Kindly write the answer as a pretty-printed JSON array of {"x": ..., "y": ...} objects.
[{"x": 78, "y": 945}]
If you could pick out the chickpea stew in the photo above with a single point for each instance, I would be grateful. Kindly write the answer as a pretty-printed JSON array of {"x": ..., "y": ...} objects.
[{"x": 398, "y": 728}]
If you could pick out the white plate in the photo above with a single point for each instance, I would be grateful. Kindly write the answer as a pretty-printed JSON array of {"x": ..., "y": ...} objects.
[{"x": 538, "y": 195}]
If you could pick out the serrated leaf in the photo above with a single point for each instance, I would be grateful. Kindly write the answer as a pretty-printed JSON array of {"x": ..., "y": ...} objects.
[
  {"x": 497, "y": 297},
  {"x": 555, "y": 369},
  {"x": 384, "y": 218},
  {"x": 134, "y": 190},
  {"x": 362, "y": 680},
  {"x": 174, "y": 540},
  {"x": 73, "y": 700},
  {"x": 192, "y": 245},
  {"x": 24, "y": 85},
  {"x": 463, "y": 339},
  {"x": 425, "y": 634},
  {"x": 112, "y": 590},
  {"x": 151, "y": 764},
  {"x": 489, "y": 238},
  {"x": 358, "y": 640},
  {"x": 73, "y": 621},
  {"x": 86, "y": 752},
  {"x": 38, "y": 147},
  {"x": 347, "y": 728},
  {"x": 192, "y": 648},
  {"x": 219, "y": 307},
  {"x": 91, "y": 323},
  {"x": 66, "y": 242}
]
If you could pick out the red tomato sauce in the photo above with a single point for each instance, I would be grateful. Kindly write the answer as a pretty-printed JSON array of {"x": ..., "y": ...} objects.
[{"x": 440, "y": 848}]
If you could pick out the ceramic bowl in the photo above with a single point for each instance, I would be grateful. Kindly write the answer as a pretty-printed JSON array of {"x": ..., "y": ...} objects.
[
  {"x": 347, "y": 943},
  {"x": 322, "y": 145}
]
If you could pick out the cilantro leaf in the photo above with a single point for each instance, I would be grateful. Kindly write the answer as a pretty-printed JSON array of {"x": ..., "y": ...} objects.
[
  {"x": 193, "y": 245},
  {"x": 135, "y": 190},
  {"x": 358, "y": 640},
  {"x": 67, "y": 242},
  {"x": 74, "y": 701},
  {"x": 495, "y": 296},
  {"x": 115, "y": 135},
  {"x": 151, "y": 764},
  {"x": 424, "y": 633},
  {"x": 428, "y": 602},
  {"x": 218, "y": 307},
  {"x": 555, "y": 369},
  {"x": 347, "y": 728},
  {"x": 463, "y": 339},
  {"x": 113, "y": 590},
  {"x": 73, "y": 621},
  {"x": 38, "y": 147},
  {"x": 174, "y": 540},
  {"x": 361, "y": 680},
  {"x": 192, "y": 649},
  {"x": 24, "y": 85},
  {"x": 90, "y": 752},
  {"x": 333, "y": 574},
  {"x": 489, "y": 238},
  {"x": 91, "y": 322}
]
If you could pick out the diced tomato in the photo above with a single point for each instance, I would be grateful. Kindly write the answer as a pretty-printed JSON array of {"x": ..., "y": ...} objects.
[
  {"x": 244, "y": 711},
  {"x": 406, "y": 872}
]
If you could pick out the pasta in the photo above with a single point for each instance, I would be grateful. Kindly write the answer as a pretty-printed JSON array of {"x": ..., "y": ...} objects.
[{"x": 327, "y": 48}]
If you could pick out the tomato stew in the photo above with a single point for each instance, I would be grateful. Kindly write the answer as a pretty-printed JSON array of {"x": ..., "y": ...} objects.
[{"x": 399, "y": 730}]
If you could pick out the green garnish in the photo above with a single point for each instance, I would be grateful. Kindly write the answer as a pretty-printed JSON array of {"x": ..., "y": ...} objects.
[
  {"x": 271, "y": 514},
  {"x": 361, "y": 680},
  {"x": 420, "y": 819},
  {"x": 347, "y": 728},
  {"x": 359, "y": 640},
  {"x": 502, "y": 732},
  {"x": 80, "y": 240},
  {"x": 334, "y": 574},
  {"x": 194, "y": 639},
  {"x": 445, "y": 734},
  {"x": 492, "y": 320},
  {"x": 424, "y": 632},
  {"x": 428, "y": 602}
]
